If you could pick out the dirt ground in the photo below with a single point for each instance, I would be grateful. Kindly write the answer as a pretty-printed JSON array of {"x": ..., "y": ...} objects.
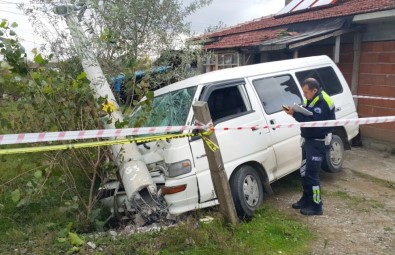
[{"x": 359, "y": 206}]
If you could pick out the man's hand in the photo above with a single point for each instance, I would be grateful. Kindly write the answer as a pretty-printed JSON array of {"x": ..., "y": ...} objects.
[{"x": 288, "y": 110}]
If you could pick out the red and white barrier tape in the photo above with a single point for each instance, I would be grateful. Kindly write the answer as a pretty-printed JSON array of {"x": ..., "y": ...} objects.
[
  {"x": 371, "y": 97},
  {"x": 117, "y": 133}
]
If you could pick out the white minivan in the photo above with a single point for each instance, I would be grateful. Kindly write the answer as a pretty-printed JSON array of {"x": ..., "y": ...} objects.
[{"x": 241, "y": 96}]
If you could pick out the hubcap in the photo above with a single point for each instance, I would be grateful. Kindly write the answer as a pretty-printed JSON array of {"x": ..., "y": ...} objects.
[
  {"x": 336, "y": 153},
  {"x": 251, "y": 190}
]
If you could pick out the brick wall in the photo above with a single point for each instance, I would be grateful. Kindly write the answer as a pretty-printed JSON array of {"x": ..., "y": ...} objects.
[{"x": 376, "y": 78}]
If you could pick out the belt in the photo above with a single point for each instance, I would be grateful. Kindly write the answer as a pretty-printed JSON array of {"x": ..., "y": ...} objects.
[{"x": 312, "y": 139}]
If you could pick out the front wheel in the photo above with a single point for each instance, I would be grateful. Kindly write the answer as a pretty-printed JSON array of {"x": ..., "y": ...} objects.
[
  {"x": 247, "y": 191},
  {"x": 334, "y": 156}
]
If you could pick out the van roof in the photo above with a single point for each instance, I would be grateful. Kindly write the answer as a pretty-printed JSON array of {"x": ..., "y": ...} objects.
[{"x": 245, "y": 71}]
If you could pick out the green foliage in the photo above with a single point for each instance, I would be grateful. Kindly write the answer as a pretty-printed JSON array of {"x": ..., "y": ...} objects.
[
  {"x": 123, "y": 33},
  {"x": 13, "y": 52},
  {"x": 13, "y": 64},
  {"x": 130, "y": 35},
  {"x": 49, "y": 98},
  {"x": 40, "y": 214}
]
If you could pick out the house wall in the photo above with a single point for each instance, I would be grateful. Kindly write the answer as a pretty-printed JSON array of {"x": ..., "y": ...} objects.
[
  {"x": 385, "y": 32},
  {"x": 377, "y": 78}
]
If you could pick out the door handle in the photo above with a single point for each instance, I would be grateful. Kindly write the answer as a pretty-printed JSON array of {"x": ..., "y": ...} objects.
[
  {"x": 338, "y": 109},
  {"x": 273, "y": 121}
]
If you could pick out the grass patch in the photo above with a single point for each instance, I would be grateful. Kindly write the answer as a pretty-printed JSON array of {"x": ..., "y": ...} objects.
[
  {"x": 359, "y": 203},
  {"x": 269, "y": 232}
]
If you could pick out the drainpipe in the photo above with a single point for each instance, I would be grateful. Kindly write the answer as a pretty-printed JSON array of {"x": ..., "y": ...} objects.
[
  {"x": 356, "y": 64},
  {"x": 133, "y": 171}
]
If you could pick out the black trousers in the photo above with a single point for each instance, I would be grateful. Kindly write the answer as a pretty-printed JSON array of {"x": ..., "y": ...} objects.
[{"x": 313, "y": 153}]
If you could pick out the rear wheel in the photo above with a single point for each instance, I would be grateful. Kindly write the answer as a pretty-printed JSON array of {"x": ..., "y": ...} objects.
[
  {"x": 247, "y": 191},
  {"x": 335, "y": 156}
]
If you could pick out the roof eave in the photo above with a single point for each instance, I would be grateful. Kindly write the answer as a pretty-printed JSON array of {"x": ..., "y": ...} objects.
[{"x": 374, "y": 17}]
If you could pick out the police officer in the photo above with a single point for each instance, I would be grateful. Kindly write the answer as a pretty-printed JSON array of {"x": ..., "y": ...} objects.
[{"x": 315, "y": 142}]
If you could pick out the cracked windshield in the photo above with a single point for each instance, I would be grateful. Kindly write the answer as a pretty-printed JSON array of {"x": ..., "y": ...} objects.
[{"x": 169, "y": 109}]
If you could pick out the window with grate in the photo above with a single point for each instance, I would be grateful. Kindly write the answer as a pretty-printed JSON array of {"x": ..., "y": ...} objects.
[{"x": 221, "y": 61}]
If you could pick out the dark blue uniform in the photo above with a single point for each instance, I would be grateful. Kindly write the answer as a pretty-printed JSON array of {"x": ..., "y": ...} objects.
[{"x": 313, "y": 148}]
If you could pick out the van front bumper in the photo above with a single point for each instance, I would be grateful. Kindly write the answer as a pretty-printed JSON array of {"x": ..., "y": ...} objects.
[{"x": 185, "y": 200}]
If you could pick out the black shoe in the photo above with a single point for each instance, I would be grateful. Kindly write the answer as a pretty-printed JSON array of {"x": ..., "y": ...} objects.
[
  {"x": 300, "y": 204},
  {"x": 312, "y": 210}
]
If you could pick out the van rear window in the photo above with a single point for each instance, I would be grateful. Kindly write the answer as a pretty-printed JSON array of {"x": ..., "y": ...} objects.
[
  {"x": 327, "y": 78},
  {"x": 277, "y": 91}
]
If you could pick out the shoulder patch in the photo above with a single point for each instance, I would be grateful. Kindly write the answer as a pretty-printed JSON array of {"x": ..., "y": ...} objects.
[{"x": 318, "y": 110}]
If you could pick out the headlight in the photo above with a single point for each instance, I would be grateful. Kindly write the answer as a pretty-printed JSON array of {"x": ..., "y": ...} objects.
[{"x": 179, "y": 168}]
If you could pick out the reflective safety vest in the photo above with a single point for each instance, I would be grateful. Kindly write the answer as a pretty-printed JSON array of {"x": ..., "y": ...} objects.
[{"x": 325, "y": 96}]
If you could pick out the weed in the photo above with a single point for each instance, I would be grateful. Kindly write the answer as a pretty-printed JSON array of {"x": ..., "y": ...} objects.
[{"x": 341, "y": 194}]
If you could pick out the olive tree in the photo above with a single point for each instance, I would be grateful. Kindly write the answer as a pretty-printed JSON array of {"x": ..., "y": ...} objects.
[{"x": 122, "y": 32}]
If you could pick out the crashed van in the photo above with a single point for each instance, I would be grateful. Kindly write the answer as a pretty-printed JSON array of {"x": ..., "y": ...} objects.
[{"x": 242, "y": 96}]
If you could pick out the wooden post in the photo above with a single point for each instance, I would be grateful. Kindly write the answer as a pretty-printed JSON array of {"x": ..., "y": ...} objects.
[{"x": 217, "y": 170}]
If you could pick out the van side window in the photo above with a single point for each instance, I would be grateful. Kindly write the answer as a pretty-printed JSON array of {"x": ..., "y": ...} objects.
[
  {"x": 326, "y": 76},
  {"x": 276, "y": 91},
  {"x": 225, "y": 102}
]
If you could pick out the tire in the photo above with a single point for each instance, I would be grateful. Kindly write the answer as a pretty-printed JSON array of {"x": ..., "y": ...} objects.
[
  {"x": 247, "y": 191},
  {"x": 335, "y": 156}
]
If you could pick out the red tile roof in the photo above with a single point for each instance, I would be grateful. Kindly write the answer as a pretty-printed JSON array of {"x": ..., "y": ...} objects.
[
  {"x": 250, "y": 33},
  {"x": 246, "y": 39}
]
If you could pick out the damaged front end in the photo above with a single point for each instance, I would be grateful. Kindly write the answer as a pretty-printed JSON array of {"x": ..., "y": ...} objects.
[
  {"x": 147, "y": 205},
  {"x": 136, "y": 193}
]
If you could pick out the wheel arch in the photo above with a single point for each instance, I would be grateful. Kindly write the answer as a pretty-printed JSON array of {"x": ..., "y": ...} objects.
[
  {"x": 261, "y": 172},
  {"x": 341, "y": 132}
]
